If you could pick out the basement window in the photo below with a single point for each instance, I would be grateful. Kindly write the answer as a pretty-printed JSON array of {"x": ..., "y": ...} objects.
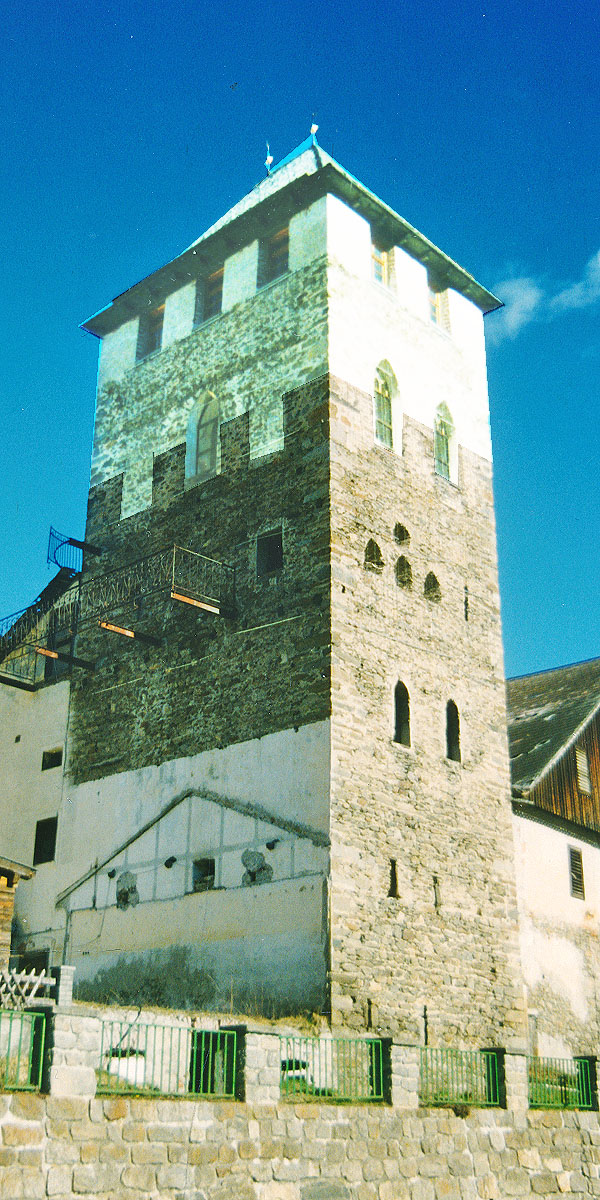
[
  {"x": 203, "y": 875},
  {"x": 269, "y": 553},
  {"x": 576, "y": 873},
  {"x": 45, "y": 841},
  {"x": 52, "y": 758},
  {"x": 150, "y": 333},
  {"x": 583, "y": 770}
]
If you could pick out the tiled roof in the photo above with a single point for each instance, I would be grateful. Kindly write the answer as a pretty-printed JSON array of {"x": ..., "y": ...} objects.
[{"x": 545, "y": 713}]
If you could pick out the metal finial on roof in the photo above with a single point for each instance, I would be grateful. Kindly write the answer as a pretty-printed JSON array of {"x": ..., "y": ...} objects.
[
  {"x": 269, "y": 159},
  {"x": 313, "y": 128}
]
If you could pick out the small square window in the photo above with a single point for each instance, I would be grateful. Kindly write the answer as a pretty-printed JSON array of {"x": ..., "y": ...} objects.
[
  {"x": 273, "y": 257},
  {"x": 52, "y": 758},
  {"x": 576, "y": 872},
  {"x": 45, "y": 841},
  {"x": 203, "y": 875},
  {"x": 269, "y": 553},
  {"x": 150, "y": 333}
]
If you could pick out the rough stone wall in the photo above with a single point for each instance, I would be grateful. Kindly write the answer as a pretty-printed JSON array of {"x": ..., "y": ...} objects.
[
  {"x": 447, "y": 941},
  {"x": 248, "y": 357},
  {"x": 144, "y": 1149},
  {"x": 213, "y": 680}
]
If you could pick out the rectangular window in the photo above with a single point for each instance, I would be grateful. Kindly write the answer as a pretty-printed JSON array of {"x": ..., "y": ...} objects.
[
  {"x": 269, "y": 553},
  {"x": 576, "y": 872},
  {"x": 383, "y": 414},
  {"x": 381, "y": 265},
  {"x": 583, "y": 770},
  {"x": 45, "y": 841},
  {"x": 203, "y": 875},
  {"x": 150, "y": 333},
  {"x": 273, "y": 258},
  {"x": 209, "y": 297},
  {"x": 439, "y": 309},
  {"x": 52, "y": 758}
]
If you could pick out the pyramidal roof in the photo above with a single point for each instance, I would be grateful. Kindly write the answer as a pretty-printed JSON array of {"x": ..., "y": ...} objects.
[
  {"x": 303, "y": 176},
  {"x": 306, "y": 159},
  {"x": 546, "y": 714}
]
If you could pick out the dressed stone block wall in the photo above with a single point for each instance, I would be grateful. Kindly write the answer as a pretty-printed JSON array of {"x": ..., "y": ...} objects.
[{"x": 446, "y": 941}]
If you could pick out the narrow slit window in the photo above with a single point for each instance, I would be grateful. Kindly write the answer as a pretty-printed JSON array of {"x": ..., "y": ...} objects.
[
  {"x": 466, "y": 604},
  {"x": 452, "y": 732},
  {"x": 381, "y": 264},
  {"x": 443, "y": 433},
  {"x": 401, "y": 715},
  {"x": 583, "y": 770},
  {"x": 576, "y": 873},
  {"x": 393, "y": 888}
]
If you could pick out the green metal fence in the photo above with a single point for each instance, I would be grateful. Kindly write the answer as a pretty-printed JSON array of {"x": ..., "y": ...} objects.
[
  {"x": 22, "y": 1039},
  {"x": 459, "y": 1077},
  {"x": 167, "y": 1060},
  {"x": 338, "y": 1068},
  {"x": 560, "y": 1083}
]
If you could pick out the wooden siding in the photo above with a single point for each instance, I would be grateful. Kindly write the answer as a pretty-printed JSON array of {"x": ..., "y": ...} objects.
[{"x": 558, "y": 792}]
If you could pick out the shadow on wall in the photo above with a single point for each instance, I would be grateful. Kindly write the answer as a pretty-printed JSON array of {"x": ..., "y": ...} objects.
[
  {"x": 164, "y": 979},
  {"x": 175, "y": 978}
]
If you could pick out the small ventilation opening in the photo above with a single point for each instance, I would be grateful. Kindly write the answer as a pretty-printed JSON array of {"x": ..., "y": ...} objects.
[
  {"x": 393, "y": 889},
  {"x": 576, "y": 871},
  {"x": 52, "y": 758}
]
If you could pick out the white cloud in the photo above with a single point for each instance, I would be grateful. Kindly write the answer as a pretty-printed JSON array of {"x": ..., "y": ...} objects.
[{"x": 526, "y": 300}]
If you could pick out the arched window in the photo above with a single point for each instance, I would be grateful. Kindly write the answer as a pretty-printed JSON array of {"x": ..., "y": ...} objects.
[
  {"x": 383, "y": 391},
  {"x": 452, "y": 732},
  {"x": 401, "y": 534},
  {"x": 403, "y": 572},
  {"x": 431, "y": 588},
  {"x": 202, "y": 438},
  {"x": 401, "y": 715},
  {"x": 373, "y": 557},
  {"x": 443, "y": 443}
]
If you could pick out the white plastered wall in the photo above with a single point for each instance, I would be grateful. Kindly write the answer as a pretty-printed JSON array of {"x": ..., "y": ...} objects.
[
  {"x": 370, "y": 323},
  {"x": 554, "y": 925}
]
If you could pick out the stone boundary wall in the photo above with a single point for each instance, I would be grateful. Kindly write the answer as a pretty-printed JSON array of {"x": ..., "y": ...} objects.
[{"x": 146, "y": 1149}]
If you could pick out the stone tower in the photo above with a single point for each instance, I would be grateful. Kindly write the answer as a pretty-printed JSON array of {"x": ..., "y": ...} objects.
[{"x": 300, "y": 400}]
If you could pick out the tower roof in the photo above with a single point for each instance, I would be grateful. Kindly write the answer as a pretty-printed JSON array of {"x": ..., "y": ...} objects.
[{"x": 304, "y": 175}]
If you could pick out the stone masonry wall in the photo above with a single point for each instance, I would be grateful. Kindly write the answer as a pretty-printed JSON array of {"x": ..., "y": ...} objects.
[
  {"x": 145, "y": 1149},
  {"x": 442, "y": 952},
  {"x": 209, "y": 681}
]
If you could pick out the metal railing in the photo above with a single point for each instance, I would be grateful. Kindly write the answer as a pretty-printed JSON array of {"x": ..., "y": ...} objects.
[
  {"x": 176, "y": 571},
  {"x": 449, "y": 1077},
  {"x": 22, "y": 1039},
  {"x": 560, "y": 1083},
  {"x": 338, "y": 1068},
  {"x": 167, "y": 1060}
]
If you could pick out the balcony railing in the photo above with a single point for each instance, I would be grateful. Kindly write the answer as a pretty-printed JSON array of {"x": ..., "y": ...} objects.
[{"x": 177, "y": 573}]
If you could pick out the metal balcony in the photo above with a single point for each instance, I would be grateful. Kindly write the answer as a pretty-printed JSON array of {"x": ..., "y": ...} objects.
[{"x": 177, "y": 574}]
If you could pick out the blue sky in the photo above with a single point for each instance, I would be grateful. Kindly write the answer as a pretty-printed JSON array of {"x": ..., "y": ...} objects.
[{"x": 129, "y": 128}]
